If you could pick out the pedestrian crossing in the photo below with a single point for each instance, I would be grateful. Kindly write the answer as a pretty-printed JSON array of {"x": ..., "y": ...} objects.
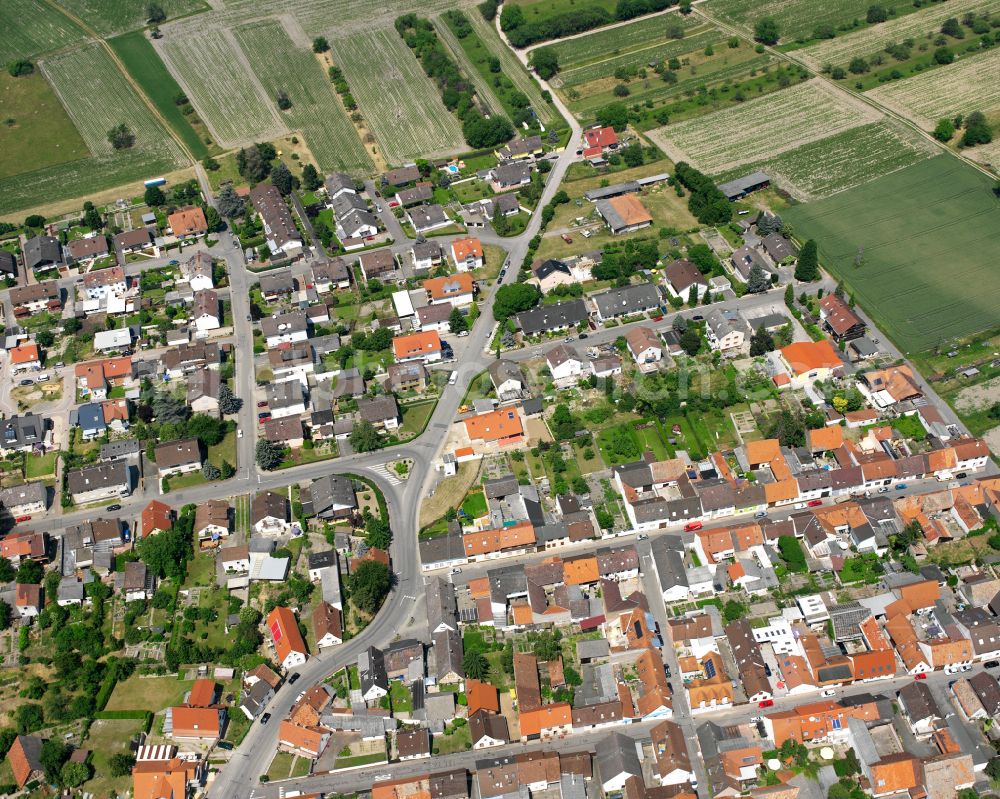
[{"x": 387, "y": 474}]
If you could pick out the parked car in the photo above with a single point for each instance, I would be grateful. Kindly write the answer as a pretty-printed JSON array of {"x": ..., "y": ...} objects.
[
  {"x": 901, "y": 486},
  {"x": 263, "y": 417},
  {"x": 294, "y": 678},
  {"x": 643, "y": 537},
  {"x": 761, "y": 514},
  {"x": 828, "y": 692},
  {"x": 989, "y": 664},
  {"x": 766, "y": 703},
  {"x": 456, "y": 570},
  {"x": 27, "y": 382},
  {"x": 961, "y": 475},
  {"x": 567, "y": 238},
  {"x": 262, "y": 404},
  {"x": 690, "y": 527},
  {"x": 812, "y": 503},
  {"x": 20, "y": 519},
  {"x": 42, "y": 378},
  {"x": 920, "y": 676},
  {"x": 116, "y": 506},
  {"x": 265, "y": 718}
]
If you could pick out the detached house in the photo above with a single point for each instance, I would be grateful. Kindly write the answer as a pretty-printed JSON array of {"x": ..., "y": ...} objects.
[
  {"x": 270, "y": 514},
  {"x": 645, "y": 347},
  {"x": 426, "y": 218},
  {"x": 197, "y": 271},
  {"x": 423, "y": 346},
  {"x": 283, "y": 238},
  {"x": 178, "y": 457},
  {"x": 565, "y": 365},
  {"x": 99, "y": 482},
  {"x": 105, "y": 283},
  {"x": 188, "y": 223},
  {"x": 456, "y": 290},
  {"x": 628, "y": 301},
  {"x": 467, "y": 254},
  {"x": 289, "y": 648},
  {"x": 205, "y": 314}
]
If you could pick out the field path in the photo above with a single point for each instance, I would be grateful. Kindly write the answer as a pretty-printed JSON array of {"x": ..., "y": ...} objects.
[
  {"x": 793, "y": 58},
  {"x": 199, "y": 170}
]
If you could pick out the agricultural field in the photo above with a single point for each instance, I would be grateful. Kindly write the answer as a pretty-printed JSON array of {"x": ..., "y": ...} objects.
[
  {"x": 538, "y": 10},
  {"x": 867, "y": 42},
  {"x": 115, "y": 16},
  {"x": 32, "y": 27},
  {"x": 98, "y": 98},
  {"x": 316, "y": 111},
  {"x": 846, "y": 159},
  {"x": 969, "y": 84},
  {"x": 631, "y": 39},
  {"x": 512, "y": 67},
  {"x": 926, "y": 249},
  {"x": 719, "y": 69},
  {"x": 797, "y": 19},
  {"x": 145, "y": 66},
  {"x": 397, "y": 99},
  {"x": 219, "y": 81},
  {"x": 39, "y": 133},
  {"x": 762, "y": 128}
]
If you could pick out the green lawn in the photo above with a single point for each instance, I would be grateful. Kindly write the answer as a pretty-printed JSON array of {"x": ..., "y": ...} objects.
[
  {"x": 105, "y": 738},
  {"x": 415, "y": 417},
  {"x": 862, "y": 568},
  {"x": 901, "y": 228},
  {"x": 360, "y": 760},
  {"x": 619, "y": 444},
  {"x": 41, "y": 133},
  {"x": 37, "y": 466},
  {"x": 402, "y": 700},
  {"x": 475, "y": 505},
  {"x": 144, "y": 64},
  {"x": 148, "y": 693},
  {"x": 910, "y": 427},
  {"x": 459, "y": 740},
  {"x": 281, "y": 766},
  {"x": 650, "y": 439}
]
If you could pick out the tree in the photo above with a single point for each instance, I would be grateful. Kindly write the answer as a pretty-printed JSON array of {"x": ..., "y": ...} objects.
[
  {"x": 253, "y": 164},
  {"x": 457, "y": 322},
  {"x": 977, "y": 130},
  {"x": 154, "y": 196},
  {"x": 92, "y": 217},
  {"x": 369, "y": 585},
  {"x": 944, "y": 130},
  {"x": 761, "y": 343},
  {"x": 165, "y": 554},
  {"x": 480, "y": 132},
  {"x": 227, "y": 470},
  {"x": 475, "y": 665},
  {"x": 20, "y": 67},
  {"x": 320, "y": 44},
  {"x": 45, "y": 338},
  {"x": 54, "y": 753},
  {"x": 614, "y": 115},
  {"x": 545, "y": 61},
  {"x": 951, "y": 27},
  {"x": 210, "y": 430},
  {"x": 282, "y": 99},
  {"x": 993, "y": 768},
  {"x": 693, "y": 295},
  {"x": 632, "y": 155},
  {"x": 807, "y": 267},
  {"x": 757, "y": 280},
  {"x": 268, "y": 455},
  {"x": 120, "y": 137},
  {"x": 311, "y": 179},
  {"x": 230, "y": 204},
  {"x": 30, "y": 572},
  {"x": 282, "y": 179},
  {"x": 766, "y": 31},
  {"x": 943, "y": 56},
  {"x": 733, "y": 610},
  {"x": 210, "y": 471},
  {"x": 7, "y": 570},
  {"x": 514, "y": 298},
  {"x": 858, "y": 66},
  {"x": 5, "y": 615},
  {"x": 155, "y": 13},
  {"x": 364, "y": 437},
  {"x": 228, "y": 402},
  {"x": 73, "y": 774},
  {"x": 121, "y": 764},
  {"x": 789, "y": 429},
  {"x": 690, "y": 341},
  {"x": 876, "y": 14},
  {"x": 378, "y": 533}
]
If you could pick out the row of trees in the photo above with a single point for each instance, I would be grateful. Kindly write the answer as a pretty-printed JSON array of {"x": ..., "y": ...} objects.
[
  {"x": 709, "y": 205},
  {"x": 457, "y": 93},
  {"x": 521, "y": 32}
]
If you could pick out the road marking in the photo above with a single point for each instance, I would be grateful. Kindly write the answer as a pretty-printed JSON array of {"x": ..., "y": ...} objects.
[{"x": 383, "y": 471}]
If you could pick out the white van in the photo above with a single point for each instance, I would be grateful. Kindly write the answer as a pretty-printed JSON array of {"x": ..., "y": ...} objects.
[{"x": 453, "y": 378}]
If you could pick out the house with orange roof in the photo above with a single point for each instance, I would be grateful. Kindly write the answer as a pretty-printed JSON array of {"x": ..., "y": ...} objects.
[
  {"x": 920, "y": 594},
  {"x": 188, "y": 223},
  {"x": 424, "y": 346},
  {"x": 547, "y": 721},
  {"x": 894, "y": 774},
  {"x": 501, "y": 427},
  {"x": 24, "y": 757},
  {"x": 304, "y": 741},
  {"x": 809, "y": 361},
  {"x": 203, "y": 724},
  {"x": 481, "y": 696},
  {"x": 170, "y": 778},
  {"x": 876, "y": 664},
  {"x": 157, "y": 517},
  {"x": 825, "y": 721},
  {"x": 456, "y": 290},
  {"x": 289, "y": 647},
  {"x": 825, "y": 439},
  {"x": 713, "y": 689},
  {"x": 797, "y": 675},
  {"x": 467, "y": 253},
  {"x": 517, "y": 539},
  {"x": 950, "y": 654},
  {"x": 886, "y": 387},
  {"x": 971, "y": 454},
  {"x": 202, "y": 693},
  {"x": 904, "y": 637},
  {"x": 582, "y": 570},
  {"x": 25, "y": 357}
]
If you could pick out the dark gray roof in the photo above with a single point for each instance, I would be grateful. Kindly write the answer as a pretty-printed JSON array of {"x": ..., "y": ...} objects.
[
  {"x": 378, "y": 409},
  {"x": 616, "y": 755},
  {"x": 442, "y": 610},
  {"x": 285, "y": 394},
  {"x": 24, "y": 431},
  {"x": 371, "y": 670},
  {"x": 448, "y": 653},
  {"x": 120, "y": 449},
  {"x": 500, "y": 486},
  {"x": 546, "y": 318},
  {"x": 42, "y": 251},
  {"x": 441, "y": 549},
  {"x": 102, "y": 475},
  {"x": 326, "y": 495},
  {"x": 628, "y": 300},
  {"x": 918, "y": 701},
  {"x": 740, "y": 186},
  {"x": 605, "y": 192}
]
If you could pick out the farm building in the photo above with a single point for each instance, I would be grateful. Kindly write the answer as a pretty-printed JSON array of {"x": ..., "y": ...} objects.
[
  {"x": 741, "y": 187},
  {"x": 624, "y": 214}
]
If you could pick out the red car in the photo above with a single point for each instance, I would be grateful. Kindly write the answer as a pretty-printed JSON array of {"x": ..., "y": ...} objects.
[
  {"x": 812, "y": 503},
  {"x": 692, "y": 526},
  {"x": 20, "y": 519},
  {"x": 765, "y": 703},
  {"x": 921, "y": 676},
  {"x": 262, "y": 404},
  {"x": 568, "y": 239},
  {"x": 263, "y": 417}
]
